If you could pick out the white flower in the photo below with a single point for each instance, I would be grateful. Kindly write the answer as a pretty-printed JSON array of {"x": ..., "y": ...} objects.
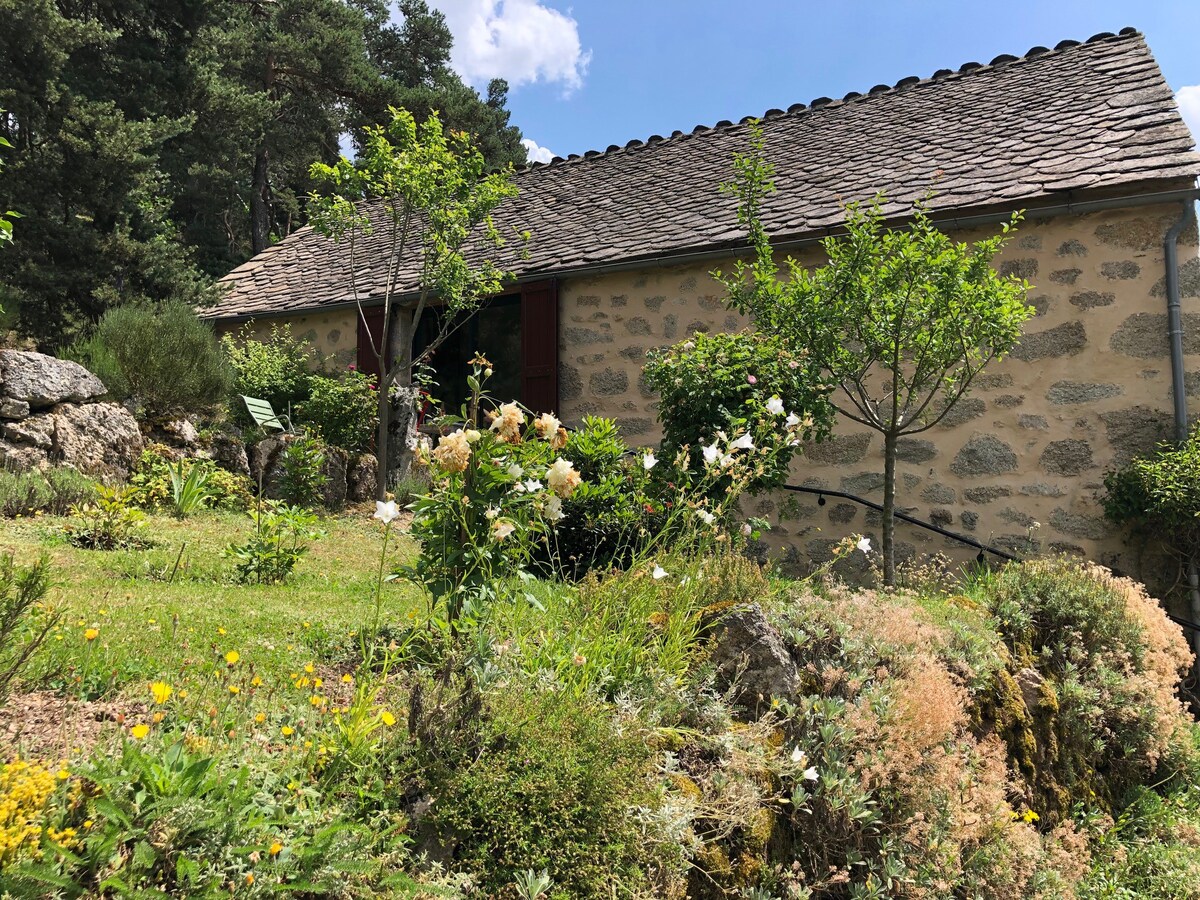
[
  {"x": 502, "y": 529},
  {"x": 747, "y": 530},
  {"x": 491, "y": 512},
  {"x": 775, "y": 406},
  {"x": 532, "y": 485},
  {"x": 472, "y": 435},
  {"x": 515, "y": 471},
  {"x": 864, "y": 544},
  {"x": 562, "y": 478},
  {"x": 798, "y": 755},
  {"x": 553, "y": 509},
  {"x": 792, "y": 420},
  {"x": 705, "y": 516},
  {"x": 745, "y": 442},
  {"x": 385, "y": 512},
  {"x": 685, "y": 581},
  {"x": 659, "y": 572},
  {"x": 726, "y": 461},
  {"x": 711, "y": 453},
  {"x": 810, "y": 774},
  {"x": 649, "y": 461}
]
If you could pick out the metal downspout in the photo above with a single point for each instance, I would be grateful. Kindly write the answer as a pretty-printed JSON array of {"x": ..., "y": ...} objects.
[{"x": 1179, "y": 394}]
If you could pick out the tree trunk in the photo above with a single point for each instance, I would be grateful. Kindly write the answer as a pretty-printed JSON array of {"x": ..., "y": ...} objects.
[
  {"x": 396, "y": 440},
  {"x": 889, "y": 509},
  {"x": 381, "y": 438},
  {"x": 260, "y": 202}
]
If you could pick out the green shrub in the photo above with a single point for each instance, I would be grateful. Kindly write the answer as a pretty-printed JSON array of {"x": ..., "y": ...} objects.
[
  {"x": 301, "y": 479},
  {"x": 152, "y": 486},
  {"x": 279, "y": 541},
  {"x": 25, "y": 621},
  {"x": 53, "y": 492},
  {"x": 553, "y": 784},
  {"x": 278, "y": 369},
  {"x": 99, "y": 359},
  {"x": 727, "y": 383},
  {"x": 108, "y": 522},
  {"x": 168, "y": 358},
  {"x": 343, "y": 411}
]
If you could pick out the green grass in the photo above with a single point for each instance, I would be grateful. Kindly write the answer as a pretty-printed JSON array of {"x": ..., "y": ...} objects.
[{"x": 153, "y": 626}]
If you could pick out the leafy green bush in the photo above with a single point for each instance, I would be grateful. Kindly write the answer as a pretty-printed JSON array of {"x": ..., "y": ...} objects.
[
  {"x": 166, "y": 357},
  {"x": 279, "y": 541},
  {"x": 108, "y": 522},
  {"x": 343, "y": 411},
  {"x": 301, "y": 478},
  {"x": 278, "y": 369},
  {"x": 98, "y": 358},
  {"x": 713, "y": 383},
  {"x": 551, "y": 784},
  {"x": 54, "y": 492},
  {"x": 152, "y": 482}
]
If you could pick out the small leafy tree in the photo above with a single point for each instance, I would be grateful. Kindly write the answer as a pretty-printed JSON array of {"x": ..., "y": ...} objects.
[
  {"x": 6, "y": 225},
  {"x": 427, "y": 191},
  {"x": 902, "y": 320}
]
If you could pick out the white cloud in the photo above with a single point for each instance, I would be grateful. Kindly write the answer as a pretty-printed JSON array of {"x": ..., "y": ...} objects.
[
  {"x": 535, "y": 153},
  {"x": 522, "y": 41},
  {"x": 1188, "y": 99}
]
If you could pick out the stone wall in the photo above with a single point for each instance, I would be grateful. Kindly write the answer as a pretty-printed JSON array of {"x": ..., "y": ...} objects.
[{"x": 1019, "y": 463}]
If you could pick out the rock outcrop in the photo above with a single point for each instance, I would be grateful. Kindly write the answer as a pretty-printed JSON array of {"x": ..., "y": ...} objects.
[{"x": 51, "y": 417}]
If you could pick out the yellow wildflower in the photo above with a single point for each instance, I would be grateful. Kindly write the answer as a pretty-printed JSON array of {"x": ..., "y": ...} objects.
[
  {"x": 91, "y": 634},
  {"x": 139, "y": 731},
  {"x": 161, "y": 691},
  {"x": 287, "y": 730},
  {"x": 387, "y": 718},
  {"x": 232, "y": 657}
]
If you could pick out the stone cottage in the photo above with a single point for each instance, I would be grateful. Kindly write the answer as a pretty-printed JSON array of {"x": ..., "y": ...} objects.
[{"x": 1085, "y": 137}]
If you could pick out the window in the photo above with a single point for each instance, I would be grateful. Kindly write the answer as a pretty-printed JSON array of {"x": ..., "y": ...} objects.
[{"x": 517, "y": 332}]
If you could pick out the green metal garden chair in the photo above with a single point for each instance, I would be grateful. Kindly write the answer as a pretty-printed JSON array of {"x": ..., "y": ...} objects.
[{"x": 264, "y": 415}]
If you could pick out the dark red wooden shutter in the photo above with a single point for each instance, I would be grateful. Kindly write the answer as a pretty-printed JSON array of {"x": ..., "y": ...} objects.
[
  {"x": 368, "y": 364},
  {"x": 539, "y": 346}
]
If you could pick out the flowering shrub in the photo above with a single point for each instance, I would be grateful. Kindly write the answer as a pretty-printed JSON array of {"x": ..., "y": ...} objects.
[
  {"x": 732, "y": 383},
  {"x": 277, "y": 369},
  {"x": 25, "y": 789}
]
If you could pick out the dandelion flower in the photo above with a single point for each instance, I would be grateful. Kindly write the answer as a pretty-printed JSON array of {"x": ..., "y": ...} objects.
[
  {"x": 287, "y": 730},
  {"x": 255, "y": 681},
  {"x": 232, "y": 657},
  {"x": 234, "y": 689},
  {"x": 139, "y": 731},
  {"x": 276, "y": 849},
  {"x": 91, "y": 634},
  {"x": 347, "y": 678},
  {"x": 161, "y": 691},
  {"x": 386, "y": 512},
  {"x": 309, "y": 668},
  {"x": 775, "y": 406},
  {"x": 260, "y": 718},
  {"x": 387, "y": 718}
]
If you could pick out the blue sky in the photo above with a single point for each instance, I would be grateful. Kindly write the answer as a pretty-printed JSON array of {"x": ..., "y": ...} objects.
[{"x": 592, "y": 73}]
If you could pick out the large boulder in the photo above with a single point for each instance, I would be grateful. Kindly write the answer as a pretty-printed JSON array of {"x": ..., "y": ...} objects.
[
  {"x": 229, "y": 452},
  {"x": 751, "y": 658},
  {"x": 98, "y": 439},
  {"x": 361, "y": 478},
  {"x": 44, "y": 381},
  {"x": 333, "y": 492}
]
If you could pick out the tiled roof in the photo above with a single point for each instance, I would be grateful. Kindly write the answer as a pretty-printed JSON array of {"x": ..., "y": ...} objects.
[{"x": 1086, "y": 115}]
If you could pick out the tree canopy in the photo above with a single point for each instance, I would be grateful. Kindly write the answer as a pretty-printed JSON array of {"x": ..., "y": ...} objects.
[{"x": 156, "y": 145}]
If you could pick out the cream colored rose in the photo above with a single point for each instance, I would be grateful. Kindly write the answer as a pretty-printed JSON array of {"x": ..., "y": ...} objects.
[
  {"x": 562, "y": 478},
  {"x": 507, "y": 422},
  {"x": 453, "y": 452}
]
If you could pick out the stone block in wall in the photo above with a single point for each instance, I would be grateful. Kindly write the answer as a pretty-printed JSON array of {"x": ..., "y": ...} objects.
[
  {"x": 1140, "y": 233},
  {"x": 964, "y": 410},
  {"x": 1072, "y": 248},
  {"x": 1066, "y": 339},
  {"x": 1066, "y": 457},
  {"x": 941, "y": 494},
  {"x": 13, "y": 409},
  {"x": 1092, "y": 299},
  {"x": 838, "y": 450},
  {"x": 570, "y": 383},
  {"x": 1123, "y": 270},
  {"x": 97, "y": 438},
  {"x": 915, "y": 450},
  {"x": 608, "y": 382},
  {"x": 1068, "y": 392},
  {"x": 984, "y": 454},
  {"x": 981, "y": 495},
  {"x": 1189, "y": 281},
  {"x": 1078, "y": 525},
  {"x": 1136, "y": 431}
]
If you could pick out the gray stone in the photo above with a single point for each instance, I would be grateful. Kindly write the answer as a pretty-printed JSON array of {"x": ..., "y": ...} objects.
[
  {"x": 1009, "y": 401},
  {"x": 13, "y": 409},
  {"x": 587, "y": 300},
  {"x": 915, "y": 450},
  {"x": 37, "y": 431},
  {"x": 1067, "y": 457},
  {"x": 1142, "y": 233},
  {"x": 843, "y": 513},
  {"x": 1042, "y": 489},
  {"x": 637, "y": 325},
  {"x": 361, "y": 480},
  {"x": 1066, "y": 339},
  {"x": 636, "y": 426},
  {"x": 863, "y": 483},
  {"x": 1121, "y": 271},
  {"x": 229, "y": 452},
  {"x": 42, "y": 381},
  {"x": 1041, "y": 304},
  {"x": 1135, "y": 431},
  {"x": 838, "y": 450},
  {"x": 1031, "y": 421},
  {"x": 942, "y": 518},
  {"x": 1030, "y": 680},
  {"x": 964, "y": 410},
  {"x": 1015, "y": 517},
  {"x": 968, "y": 519},
  {"x": 983, "y": 495},
  {"x": 670, "y": 326},
  {"x": 910, "y": 481},
  {"x": 1020, "y": 544},
  {"x": 751, "y": 659},
  {"x": 654, "y": 303},
  {"x": 699, "y": 326},
  {"x": 1065, "y": 276},
  {"x": 334, "y": 468},
  {"x": 1144, "y": 335},
  {"x": 23, "y": 457},
  {"x": 1191, "y": 385},
  {"x": 984, "y": 454},
  {"x": 644, "y": 386},
  {"x": 570, "y": 384},
  {"x": 608, "y": 382},
  {"x": 1030, "y": 242},
  {"x": 939, "y": 493},
  {"x": 1068, "y": 392},
  {"x": 100, "y": 439},
  {"x": 616, "y": 301},
  {"x": 1189, "y": 281},
  {"x": 1092, "y": 299},
  {"x": 633, "y": 353},
  {"x": 1066, "y": 549},
  {"x": 1077, "y": 525},
  {"x": 1021, "y": 268},
  {"x": 1072, "y": 248},
  {"x": 709, "y": 302},
  {"x": 578, "y": 336},
  {"x": 990, "y": 381}
]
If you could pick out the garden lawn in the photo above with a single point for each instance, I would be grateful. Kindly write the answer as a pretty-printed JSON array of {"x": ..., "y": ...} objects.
[{"x": 151, "y": 625}]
